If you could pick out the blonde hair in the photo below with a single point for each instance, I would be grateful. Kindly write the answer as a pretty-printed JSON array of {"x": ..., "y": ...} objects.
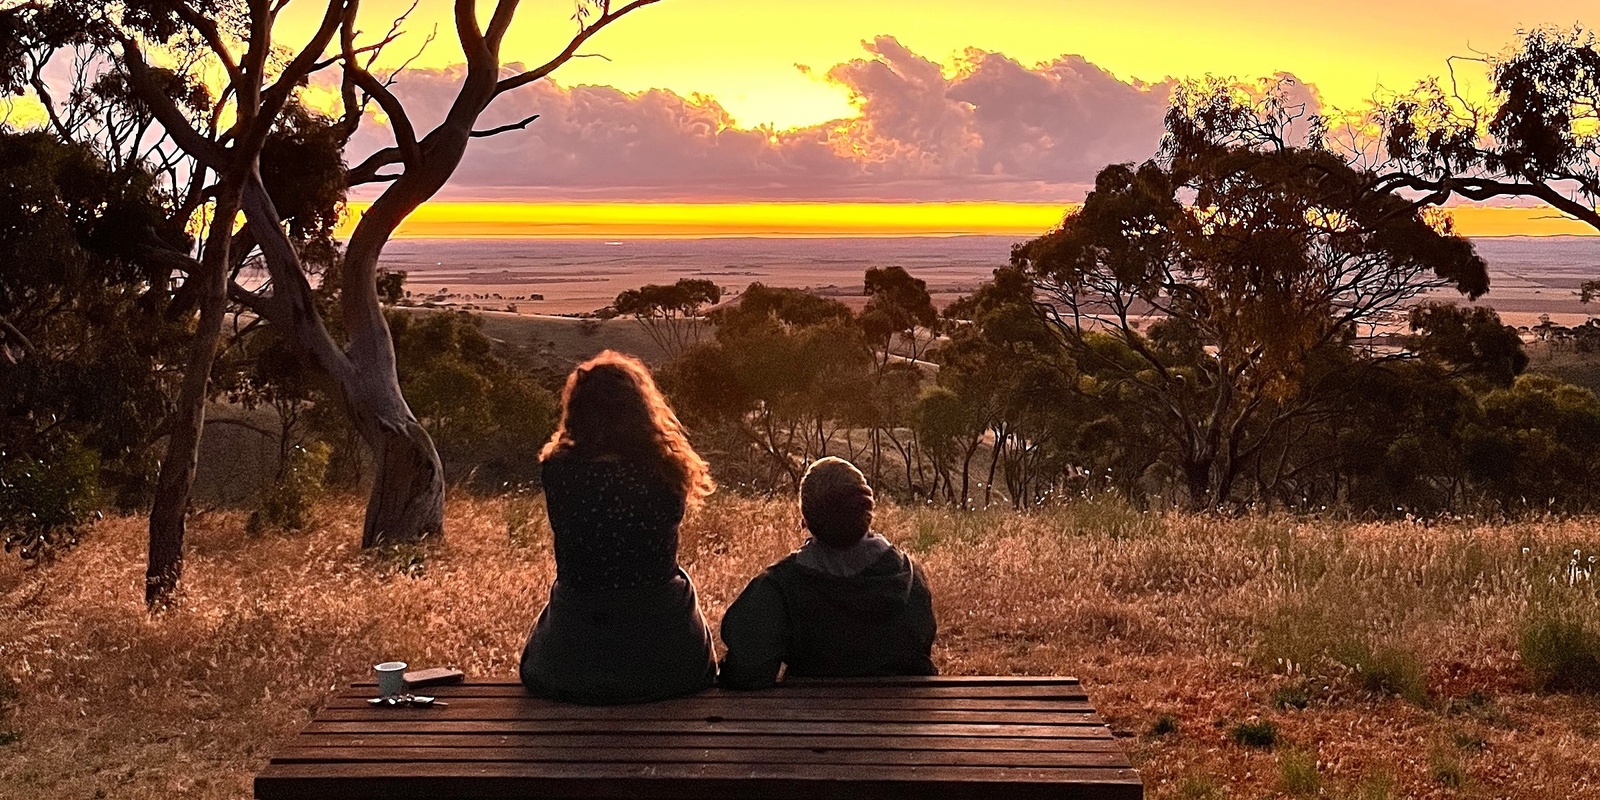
[{"x": 611, "y": 406}]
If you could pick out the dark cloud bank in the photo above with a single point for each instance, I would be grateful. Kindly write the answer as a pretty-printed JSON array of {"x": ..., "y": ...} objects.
[{"x": 994, "y": 130}]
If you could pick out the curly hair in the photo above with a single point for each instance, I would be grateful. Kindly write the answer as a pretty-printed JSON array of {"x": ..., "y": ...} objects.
[{"x": 611, "y": 407}]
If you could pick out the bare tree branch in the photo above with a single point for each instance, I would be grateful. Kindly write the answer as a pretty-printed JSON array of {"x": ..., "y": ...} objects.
[
  {"x": 204, "y": 150},
  {"x": 405, "y": 135},
  {"x": 608, "y": 17},
  {"x": 515, "y": 126}
]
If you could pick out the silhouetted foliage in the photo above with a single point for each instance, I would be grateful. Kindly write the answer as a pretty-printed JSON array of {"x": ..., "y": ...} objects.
[
  {"x": 1472, "y": 340},
  {"x": 897, "y": 306},
  {"x": 488, "y": 418},
  {"x": 1222, "y": 271},
  {"x": 786, "y": 371},
  {"x": 1536, "y": 138},
  {"x": 670, "y": 313},
  {"x": 88, "y": 328}
]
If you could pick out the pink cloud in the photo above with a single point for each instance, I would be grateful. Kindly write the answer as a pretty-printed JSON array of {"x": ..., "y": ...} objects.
[{"x": 992, "y": 129}]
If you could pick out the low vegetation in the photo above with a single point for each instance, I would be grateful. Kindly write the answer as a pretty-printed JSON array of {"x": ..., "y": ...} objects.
[{"x": 1240, "y": 657}]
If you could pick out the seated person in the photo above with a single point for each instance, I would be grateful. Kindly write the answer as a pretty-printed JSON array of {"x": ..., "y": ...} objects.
[
  {"x": 622, "y": 624},
  {"x": 846, "y": 604}
]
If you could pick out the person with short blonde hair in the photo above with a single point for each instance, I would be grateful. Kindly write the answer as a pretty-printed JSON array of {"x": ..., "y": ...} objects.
[
  {"x": 623, "y": 623},
  {"x": 846, "y": 604}
]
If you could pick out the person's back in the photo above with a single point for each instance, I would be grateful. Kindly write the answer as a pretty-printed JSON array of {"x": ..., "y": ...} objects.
[
  {"x": 623, "y": 624},
  {"x": 846, "y": 604}
]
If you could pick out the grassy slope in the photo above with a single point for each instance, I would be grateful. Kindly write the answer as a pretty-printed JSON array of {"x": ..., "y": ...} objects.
[{"x": 1159, "y": 615}]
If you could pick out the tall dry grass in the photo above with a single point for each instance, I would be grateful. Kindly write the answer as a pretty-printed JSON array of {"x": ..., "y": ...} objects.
[{"x": 1384, "y": 656}]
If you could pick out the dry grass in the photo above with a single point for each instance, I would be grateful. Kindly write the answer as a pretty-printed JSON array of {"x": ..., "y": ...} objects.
[{"x": 1183, "y": 628}]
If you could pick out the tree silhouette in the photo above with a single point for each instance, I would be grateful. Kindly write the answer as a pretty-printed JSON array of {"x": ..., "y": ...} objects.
[
  {"x": 1221, "y": 270},
  {"x": 215, "y": 147},
  {"x": 670, "y": 314},
  {"x": 897, "y": 306},
  {"x": 1537, "y": 137},
  {"x": 1471, "y": 340}
]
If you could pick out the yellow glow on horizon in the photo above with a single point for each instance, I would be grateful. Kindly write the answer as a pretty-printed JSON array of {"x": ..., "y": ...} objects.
[
  {"x": 479, "y": 220},
  {"x": 472, "y": 220}
]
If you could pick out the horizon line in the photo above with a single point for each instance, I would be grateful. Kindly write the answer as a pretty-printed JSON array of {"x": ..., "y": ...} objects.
[{"x": 812, "y": 219}]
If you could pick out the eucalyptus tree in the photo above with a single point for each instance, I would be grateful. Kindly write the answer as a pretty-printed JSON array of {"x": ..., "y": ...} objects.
[
  {"x": 210, "y": 86},
  {"x": 1223, "y": 268},
  {"x": 1536, "y": 137},
  {"x": 670, "y": 313},
  {"x": 407, "y": 500}
]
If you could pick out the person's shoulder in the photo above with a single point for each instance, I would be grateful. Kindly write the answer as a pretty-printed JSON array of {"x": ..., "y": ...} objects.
[{"x": 783, "y": 570}]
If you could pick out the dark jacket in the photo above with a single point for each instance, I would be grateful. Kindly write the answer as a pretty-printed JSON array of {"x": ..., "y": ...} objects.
[
  {"x": 622, "y": 624},
  {"x": 878, "y": 621},
  {"x": 629, "y": 646}
]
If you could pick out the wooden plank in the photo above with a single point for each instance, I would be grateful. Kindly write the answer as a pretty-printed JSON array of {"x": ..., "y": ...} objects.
[
  {"x": 706, "y": 715},
  {"x": 880, "y": 682},
  {"x": 683, "y": 782},
  {"x": 783, "y": 691},
  {"x": 943, "y": 738},
  {"x": 689, "y": 755},
  {"x": 724, "y": 741},
  {"x": 320, "y": 725},
  {"x": 756, "y": 705},
  {"x": 941, "y": 680}
]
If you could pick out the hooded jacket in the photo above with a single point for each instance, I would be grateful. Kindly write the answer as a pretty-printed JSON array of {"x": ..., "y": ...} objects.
[{"x": 877, "y": 621}]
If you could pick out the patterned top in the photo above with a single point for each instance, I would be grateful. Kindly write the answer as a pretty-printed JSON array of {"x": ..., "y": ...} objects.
[{"x": 615, "y": 523}]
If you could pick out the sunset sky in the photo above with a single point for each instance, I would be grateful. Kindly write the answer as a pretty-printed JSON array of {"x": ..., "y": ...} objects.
[{"x": 748, "y": 117}]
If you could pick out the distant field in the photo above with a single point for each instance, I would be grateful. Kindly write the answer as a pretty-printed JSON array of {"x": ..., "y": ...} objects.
[
  {"x": 1530, "y": 275},
  {"x": 1384, "y": 656}
]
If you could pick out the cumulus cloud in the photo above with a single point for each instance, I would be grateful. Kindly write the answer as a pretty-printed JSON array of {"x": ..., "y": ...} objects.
[{"x": 992, "y": 128}]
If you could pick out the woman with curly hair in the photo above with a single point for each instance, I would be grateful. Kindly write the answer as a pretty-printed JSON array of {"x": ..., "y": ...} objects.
[{"x": 622, "y": 624}]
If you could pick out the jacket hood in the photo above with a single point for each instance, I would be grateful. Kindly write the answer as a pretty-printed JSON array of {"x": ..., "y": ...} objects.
[{"x": 884, "y": 586}]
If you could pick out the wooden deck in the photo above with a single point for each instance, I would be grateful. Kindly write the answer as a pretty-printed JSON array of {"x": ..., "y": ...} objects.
[{"x": 869, "y": 738}]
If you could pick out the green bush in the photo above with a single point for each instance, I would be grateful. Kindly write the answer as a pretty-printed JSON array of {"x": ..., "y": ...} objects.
[
  {"x": 1386, "y": 670},
  {"x": 287, "y": 503},
  {"x": 1297, "y": 769},
  {"x": 526, "y": 522},
  {"x": 1256, "y": 733},
  {"x": 46, "y": 495},
  {"x": 1562, "y": 655},
  {"x": 1165, "y": 725},
  {"x": 1295, "y": 695}
]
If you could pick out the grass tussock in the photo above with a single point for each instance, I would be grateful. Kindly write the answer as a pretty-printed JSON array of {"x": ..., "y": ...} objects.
[{"x": 1379, "y": 647}]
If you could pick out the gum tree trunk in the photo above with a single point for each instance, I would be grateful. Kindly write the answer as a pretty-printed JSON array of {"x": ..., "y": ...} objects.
[{"x": 175, "y": 481}]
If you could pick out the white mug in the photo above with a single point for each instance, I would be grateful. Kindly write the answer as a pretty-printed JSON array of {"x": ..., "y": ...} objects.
[{"x": 391, "y": 678}]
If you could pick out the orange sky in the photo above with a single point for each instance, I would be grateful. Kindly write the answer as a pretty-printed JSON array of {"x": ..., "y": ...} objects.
[
  {"x": 745, "y": 53},
  {"x": 464, "y": 220},
  {"x": 746, "y": 56}
]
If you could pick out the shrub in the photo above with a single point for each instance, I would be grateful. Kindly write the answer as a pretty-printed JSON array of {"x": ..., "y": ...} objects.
[
  {"x": 1256, "y": 733},
  {"x": 1562, "y": 655},
  {"x": 1298, "y": 771},
  {"x": 46, "y": 495},
  {"x": 286, "y": 504},
  {"x": 1387, "y": 670},
  {"x": 525, "y": 519},
  {"x": 1295, "y": 695},
  {"x": 1165, "y": 725}
]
